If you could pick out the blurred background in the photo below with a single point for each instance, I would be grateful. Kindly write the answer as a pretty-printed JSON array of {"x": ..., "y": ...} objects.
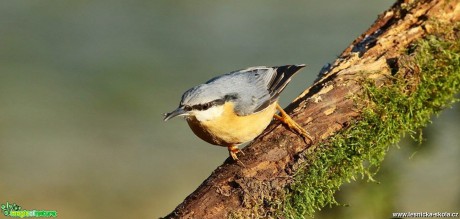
[{"x": 83, "y": 85}]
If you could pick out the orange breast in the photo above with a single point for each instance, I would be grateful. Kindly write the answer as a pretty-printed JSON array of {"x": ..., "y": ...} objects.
[{"x": 229, "y": 128}]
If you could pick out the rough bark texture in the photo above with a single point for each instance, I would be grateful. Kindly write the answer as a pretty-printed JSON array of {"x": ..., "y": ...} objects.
[{"x": 323, "y": 109}]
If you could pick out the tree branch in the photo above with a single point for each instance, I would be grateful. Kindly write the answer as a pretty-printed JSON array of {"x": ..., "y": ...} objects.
[{"x": 336, "y": 103}]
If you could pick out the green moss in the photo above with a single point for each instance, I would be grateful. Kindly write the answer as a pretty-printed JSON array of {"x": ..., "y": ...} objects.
[{"x": 425, "y": 83}]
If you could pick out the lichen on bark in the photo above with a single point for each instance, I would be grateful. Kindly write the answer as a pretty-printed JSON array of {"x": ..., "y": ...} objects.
[{"x": 425, "y": 81}]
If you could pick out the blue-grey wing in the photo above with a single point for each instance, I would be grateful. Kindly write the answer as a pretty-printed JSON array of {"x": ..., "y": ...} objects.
[{"x": 254, "y": 89}]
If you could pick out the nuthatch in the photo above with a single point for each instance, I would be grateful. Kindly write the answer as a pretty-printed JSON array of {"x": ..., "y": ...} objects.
[{"x": 236, "y": 107}]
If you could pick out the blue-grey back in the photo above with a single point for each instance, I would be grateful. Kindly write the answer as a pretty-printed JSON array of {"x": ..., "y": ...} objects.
[{"x": 251, "y": 89}]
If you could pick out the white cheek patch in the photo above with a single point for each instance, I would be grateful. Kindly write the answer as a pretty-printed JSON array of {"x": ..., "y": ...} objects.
[{"x": 209, "y": 114}]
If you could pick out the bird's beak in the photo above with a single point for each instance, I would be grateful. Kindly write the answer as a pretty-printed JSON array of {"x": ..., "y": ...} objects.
[{"x": 177, "y": 112}]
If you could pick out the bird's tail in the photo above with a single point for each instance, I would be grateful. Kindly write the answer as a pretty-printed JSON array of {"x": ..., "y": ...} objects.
[{"x": 282, "y": 78}]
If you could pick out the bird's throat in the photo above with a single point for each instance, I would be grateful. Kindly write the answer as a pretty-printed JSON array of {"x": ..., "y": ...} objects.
[{"x": 209, "y": 114}]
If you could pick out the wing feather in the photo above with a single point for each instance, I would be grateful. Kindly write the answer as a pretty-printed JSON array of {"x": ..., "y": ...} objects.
[{"x": 256, "y": 88}]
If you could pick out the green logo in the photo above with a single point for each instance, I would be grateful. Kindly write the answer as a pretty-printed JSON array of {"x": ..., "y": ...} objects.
[{"x": 14, "y": 210}]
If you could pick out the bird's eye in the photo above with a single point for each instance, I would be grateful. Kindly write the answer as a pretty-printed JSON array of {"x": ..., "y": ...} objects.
[
  {"x": 187, "y": 108},
  {"x": 206, "y": 106}
]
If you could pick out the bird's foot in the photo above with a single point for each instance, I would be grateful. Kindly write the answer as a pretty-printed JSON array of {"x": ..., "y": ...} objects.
[
  {"x": 233, "y": 150},
  {"x": 293, "y": 125}
]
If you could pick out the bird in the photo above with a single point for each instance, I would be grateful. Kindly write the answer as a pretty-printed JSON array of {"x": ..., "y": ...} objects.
[{"x": 234, "y": 108}]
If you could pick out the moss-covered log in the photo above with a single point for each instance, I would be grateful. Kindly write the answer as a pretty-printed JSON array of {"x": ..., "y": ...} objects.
[{"x": 388, "y": 82}]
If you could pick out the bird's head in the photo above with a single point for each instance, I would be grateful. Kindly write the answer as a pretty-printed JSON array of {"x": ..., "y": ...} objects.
[{"x": 205, "y": 102}]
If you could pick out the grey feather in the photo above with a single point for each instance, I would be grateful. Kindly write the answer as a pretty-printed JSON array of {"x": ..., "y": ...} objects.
[{"x": 251, "y": 89}]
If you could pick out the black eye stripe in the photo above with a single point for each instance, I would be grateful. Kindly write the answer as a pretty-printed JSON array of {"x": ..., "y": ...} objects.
[
  {"x": 205, "y": 106},
  {"x": 217, "y": 102}
]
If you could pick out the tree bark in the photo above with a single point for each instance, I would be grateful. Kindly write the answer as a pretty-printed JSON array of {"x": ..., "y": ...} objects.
[{"x": 322, "y": 109}]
